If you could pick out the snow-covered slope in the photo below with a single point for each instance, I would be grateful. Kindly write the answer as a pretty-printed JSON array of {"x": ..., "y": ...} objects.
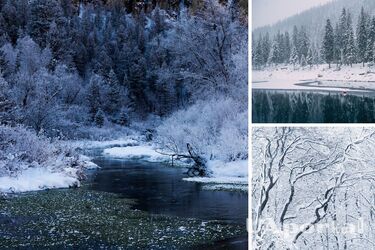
[{"x": 314, "y": 19}]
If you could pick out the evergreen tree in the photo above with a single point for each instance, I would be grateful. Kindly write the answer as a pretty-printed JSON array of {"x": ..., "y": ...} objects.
[
  {"x": 303, "y": 61},
  {"x": 99, "y": 118},
  {"x": 295, "y": 40},
  {"x": 93, "y": 98},
  {"x": 337, "y": 42},
  {"x": 340, "y": 37},
  {"x": 113, "y": 96},
  {"x": 350, "y": 49},
  {"x": 310, "y": 57},
  {"x": 328, "y": 43},
  {"x": 43, "y": 13},
  {"x": 274, "y": 54},
  {"x": 303, "y": 42},
  {"x": 266, "y": 48},
  {"x": 124, "y": 118},
  {"x": 287, "y": 47},
  {"x": 294, "y": 56},
  {"x": 370, "y": 41},
  {"x": 4, "y": 65},
  {"x": 362, "y": 36}
]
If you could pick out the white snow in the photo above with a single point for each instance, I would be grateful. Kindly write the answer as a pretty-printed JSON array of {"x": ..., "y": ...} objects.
[
  {"x": 235, "y": 172},
  {"x": 34, "y": 179},
  {"x": 144, "y": 152},
  {"x": 286, "y": 78}
]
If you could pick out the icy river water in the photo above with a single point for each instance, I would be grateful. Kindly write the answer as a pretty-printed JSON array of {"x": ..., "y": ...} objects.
[
  {"x": 160, "y": 189},
  {"x": 126, "y": 205}
]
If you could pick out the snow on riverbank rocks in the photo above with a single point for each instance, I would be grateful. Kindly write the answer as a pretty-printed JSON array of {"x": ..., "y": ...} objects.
[{"x": 286, "y": 77}]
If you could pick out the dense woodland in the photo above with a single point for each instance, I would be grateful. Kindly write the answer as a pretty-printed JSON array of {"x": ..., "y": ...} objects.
[
  {"x": 74, "y": 70},
  {"x": 341, "y": 42}
]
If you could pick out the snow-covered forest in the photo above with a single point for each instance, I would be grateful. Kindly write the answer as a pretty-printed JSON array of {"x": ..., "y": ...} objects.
[
  {"x": 313, "y": 188},
  {"x": 341, "y": 42},
  {"x": 81, "y": 70}
]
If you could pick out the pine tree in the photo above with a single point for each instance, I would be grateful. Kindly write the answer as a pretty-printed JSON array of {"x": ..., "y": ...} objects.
[
  {"x": 294, "y": 56},
  {"x": 310, "y": 57},
  {"x": 113, "y": 95},
  {"x": 303, "y": 61},
  {"x": 362, "y": 36},
  {"x": 303, "y": 42},
  {"x": 370, "y": 41},
  {"x": 274, "y": 54},
  {"x": 4, "y": 65},
  {"x": 350, "y": 49},
  {"x": 287, "y": 47},
  {"x": 340, "y": 38},
  {"x": 43, "y": 13},
  {"x": 266, "y": 48},
  {"x": 93, "y": 98},
  {"x": 328, "y": 43},
  {"x": 99, "y": 118},
  {"x": 295, "y": 40},
  {"x": 124, "y": 118}
]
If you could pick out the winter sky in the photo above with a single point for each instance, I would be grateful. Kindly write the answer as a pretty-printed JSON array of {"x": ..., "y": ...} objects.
[{"x": 270, "y": 11}]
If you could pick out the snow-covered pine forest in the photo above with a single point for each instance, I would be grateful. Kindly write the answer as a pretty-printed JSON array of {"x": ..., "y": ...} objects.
[
  {"x": 169, "y": 73},
  {"x": 313, "y": 188},
  {"x": 342, "y": 42}
]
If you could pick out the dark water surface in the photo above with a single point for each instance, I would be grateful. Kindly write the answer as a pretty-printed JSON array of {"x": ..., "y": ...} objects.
[
  {"x": 159, "y": 189},
  {"x": 296, "y": 106}
]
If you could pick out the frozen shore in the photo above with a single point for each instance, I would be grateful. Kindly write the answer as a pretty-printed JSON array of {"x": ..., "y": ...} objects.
[{"x": 346, "y": 78}]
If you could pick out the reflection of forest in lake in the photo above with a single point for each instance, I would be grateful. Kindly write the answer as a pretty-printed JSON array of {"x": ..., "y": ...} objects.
[{"x": 275, "y": 106}]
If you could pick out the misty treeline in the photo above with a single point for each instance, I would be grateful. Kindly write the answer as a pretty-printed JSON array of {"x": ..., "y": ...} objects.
[
  {"x": 313, "y": 188},
  {"x": 341, "y": 42},
  {"x": 306, "y": 107},
  {"x": 69, "y": 70}
]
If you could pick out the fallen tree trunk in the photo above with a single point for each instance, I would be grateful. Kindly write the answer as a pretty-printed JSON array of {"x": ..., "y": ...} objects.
[{"x": 199, "y": 167}]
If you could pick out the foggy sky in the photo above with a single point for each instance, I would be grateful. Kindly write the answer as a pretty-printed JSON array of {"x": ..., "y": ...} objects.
[{"x": 270, "y": 11}]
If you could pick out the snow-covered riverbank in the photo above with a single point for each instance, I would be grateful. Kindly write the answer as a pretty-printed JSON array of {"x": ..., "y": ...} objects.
[
  {"x": 233, "y": 173},
  {"x": 63, "y": 171},
  {"x": 356, "y": 78}
]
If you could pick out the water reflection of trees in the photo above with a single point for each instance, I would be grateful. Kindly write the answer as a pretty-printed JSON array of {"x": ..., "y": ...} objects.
[{"x": 309, "y": 107}]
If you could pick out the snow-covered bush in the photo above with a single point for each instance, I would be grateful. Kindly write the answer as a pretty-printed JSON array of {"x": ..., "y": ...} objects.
[
  {"x": 216, "y": 129},
  {"x": 21, "y": 149}
]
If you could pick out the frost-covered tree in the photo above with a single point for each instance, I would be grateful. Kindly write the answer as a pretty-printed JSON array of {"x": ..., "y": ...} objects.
[
  {"x": 294, "y": 56},
  {"x": 328, "y": 43},
  {"x": 93, "y": 96},
  {"x": 310, "y": 183},
  {"x": 362, "y": 36},
  {"x": 350, "y": 49}
]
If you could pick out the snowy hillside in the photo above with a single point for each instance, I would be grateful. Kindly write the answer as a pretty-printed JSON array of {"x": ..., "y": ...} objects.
[{"x": 312, "y": 19}]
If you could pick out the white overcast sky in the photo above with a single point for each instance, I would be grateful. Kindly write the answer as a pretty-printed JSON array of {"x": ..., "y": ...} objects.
[{"x": 270, "y": 11}]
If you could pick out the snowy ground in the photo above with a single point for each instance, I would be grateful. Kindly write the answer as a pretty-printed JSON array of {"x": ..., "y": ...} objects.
[
  {"x": 34, "y": 179},
  {"x": 351, "y": 79},
  {"x": 57, "y": 174},
  {"x": 225, "y": 175}
]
